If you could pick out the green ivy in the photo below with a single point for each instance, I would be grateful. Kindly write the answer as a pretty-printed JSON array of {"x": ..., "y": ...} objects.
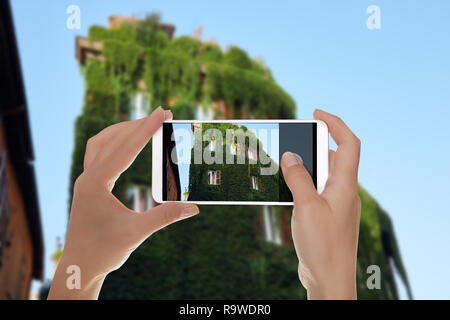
[{"x": 235, "y": 179}]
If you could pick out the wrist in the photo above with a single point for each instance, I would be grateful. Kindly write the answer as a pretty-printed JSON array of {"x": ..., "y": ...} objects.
[
  {"x": 75, "y": 279},
  {"x": 333, "y": 288}
]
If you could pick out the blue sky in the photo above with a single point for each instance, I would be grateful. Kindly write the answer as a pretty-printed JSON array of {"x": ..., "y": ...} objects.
[
  {"x": 391, "y": 86},
  {"x": 181, "y": 130}
]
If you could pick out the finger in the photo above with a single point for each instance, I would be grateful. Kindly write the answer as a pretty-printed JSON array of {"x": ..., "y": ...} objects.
[
  {"x": 162, "y": 216},
  {"x": 111, "y": 167},
  {"x": 346, "y": 159},
  {"x": 331, "y": 155},
  {"x": 97, "y": 142},
  {"x": 112, "y": 145},
  {"x": 298, "y": 179}
]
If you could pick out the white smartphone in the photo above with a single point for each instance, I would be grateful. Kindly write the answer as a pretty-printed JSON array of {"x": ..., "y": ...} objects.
[{"x": 234, "y": 161}]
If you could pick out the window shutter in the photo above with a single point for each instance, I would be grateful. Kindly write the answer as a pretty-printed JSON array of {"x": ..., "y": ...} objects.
[{"x": 218, "y": 177}]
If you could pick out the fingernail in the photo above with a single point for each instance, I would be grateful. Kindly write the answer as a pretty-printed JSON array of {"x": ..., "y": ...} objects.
[
  {"x": 298, "y": 157},
  {"x": 291, "y": 159},
  {"x": 168, "y": 115},
  {"x": 189, "y": 210}
]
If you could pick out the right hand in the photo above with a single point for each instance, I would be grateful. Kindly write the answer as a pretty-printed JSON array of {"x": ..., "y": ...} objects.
[{"x": 325, "y": 227}]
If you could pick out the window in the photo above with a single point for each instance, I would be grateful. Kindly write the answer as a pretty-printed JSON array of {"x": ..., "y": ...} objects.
[
  {"x": 256, "y": 183},
  {"x": 270, "y": 229},
  {"x": 252, "y": 154},
  {"x": 212, "y": 144},
  {"x": 141, "y": 198},
  {"x": 233, "y": 149},
  {"x": 203, "y": 113},
  {"x": 140, "y": 106},
  {"x": 214, "y": 177}
]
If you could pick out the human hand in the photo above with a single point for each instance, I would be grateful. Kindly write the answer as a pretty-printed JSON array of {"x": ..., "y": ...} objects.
[
  {"x": 102, "y": 232},
  {"x": 325, "y": 227}
]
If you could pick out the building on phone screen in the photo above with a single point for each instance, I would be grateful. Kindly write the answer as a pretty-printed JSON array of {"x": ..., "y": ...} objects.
[{"x": 238, "y": 178}]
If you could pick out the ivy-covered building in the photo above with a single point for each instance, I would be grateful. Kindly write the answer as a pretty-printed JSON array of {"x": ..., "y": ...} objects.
[
  {"x": 132, "y": 67},
  {"x": 237, "y": 176}
]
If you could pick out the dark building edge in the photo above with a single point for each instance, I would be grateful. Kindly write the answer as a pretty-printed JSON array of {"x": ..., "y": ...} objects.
[
  {"x": 14, "y": 116},
  {"x": 168, "y": 146}
]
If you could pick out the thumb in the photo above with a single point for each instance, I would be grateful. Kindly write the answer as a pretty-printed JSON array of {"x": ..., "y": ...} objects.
[
  {"x": 297, "y": 178},
  {"x": 166, "y": 214}
]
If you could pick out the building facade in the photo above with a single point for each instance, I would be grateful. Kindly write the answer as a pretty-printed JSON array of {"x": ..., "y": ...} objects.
[
  {"x": 240, "y": 181},
  {"x": 21, "y": 245}
]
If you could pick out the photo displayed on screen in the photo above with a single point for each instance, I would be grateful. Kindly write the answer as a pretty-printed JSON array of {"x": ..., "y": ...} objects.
[{"x": 232, "y": 161}]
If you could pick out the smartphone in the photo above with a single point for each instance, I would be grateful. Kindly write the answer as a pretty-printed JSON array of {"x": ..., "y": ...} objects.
[{"x": 234, "y": 161}]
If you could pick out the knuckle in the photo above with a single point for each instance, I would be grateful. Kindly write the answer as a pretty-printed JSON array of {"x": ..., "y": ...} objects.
[
  {"x": 79, "y": 181},
  {"x": 338, "y": 122},
  {"x": 168, "y": 216},
  {"x": 357, "y": 202},
  {"x": 79, "y": 187},
  {"x": 357, "y": 142},
  {"x": 338, "y": 119},
  {"x": 83, "y": 185},
  {"x": 354, "y": 200},
  {"x": 90, "y": 141},
  {"x": 350, "y": 191}
]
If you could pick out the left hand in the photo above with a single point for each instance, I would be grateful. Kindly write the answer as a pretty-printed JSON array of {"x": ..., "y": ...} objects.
[{"x": 102, "y": 232}]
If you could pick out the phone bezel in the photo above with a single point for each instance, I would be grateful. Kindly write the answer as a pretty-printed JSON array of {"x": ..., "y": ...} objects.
[{"x": 321, "y": 157}]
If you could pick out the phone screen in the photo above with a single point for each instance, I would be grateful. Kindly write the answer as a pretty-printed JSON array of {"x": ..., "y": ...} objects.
[{"x": 224, "y": 161}]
